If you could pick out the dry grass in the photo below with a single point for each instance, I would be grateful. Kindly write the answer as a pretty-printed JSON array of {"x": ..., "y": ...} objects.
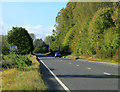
[
  {"x": 28, "y": 78},
  {"x": 72, "y": 57},
  {"x": 91, "y": 59}
]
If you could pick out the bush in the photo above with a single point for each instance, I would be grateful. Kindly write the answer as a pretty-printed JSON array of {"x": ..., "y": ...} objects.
[{"x": 15, "y": 61}]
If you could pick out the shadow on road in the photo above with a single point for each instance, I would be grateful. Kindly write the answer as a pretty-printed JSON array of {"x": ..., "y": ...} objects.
[
  {"x": 42, "y": 55},
  {"x": 88, "y": 76}
]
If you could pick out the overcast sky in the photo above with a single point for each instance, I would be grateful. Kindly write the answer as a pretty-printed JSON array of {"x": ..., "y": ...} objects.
[{"x": 36, "y": 17}]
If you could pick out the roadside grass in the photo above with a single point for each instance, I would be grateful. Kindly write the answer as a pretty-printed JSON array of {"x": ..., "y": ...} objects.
[
  {"x": 26, "y": 78},
  {"x": 70, "y": 56},
  {"x": 91, "y": 59}
]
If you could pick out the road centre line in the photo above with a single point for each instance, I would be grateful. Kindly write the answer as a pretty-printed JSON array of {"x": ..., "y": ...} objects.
[
  {"x": 59, "y": 81},
  {"x": 77, "y": 65},
  {"x": 106, "y": 73}
]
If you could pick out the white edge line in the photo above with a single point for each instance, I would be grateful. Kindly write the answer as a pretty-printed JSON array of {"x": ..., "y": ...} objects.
[
  {"x": 106, "y": 73},
  {"x": 60, "y": 82}
]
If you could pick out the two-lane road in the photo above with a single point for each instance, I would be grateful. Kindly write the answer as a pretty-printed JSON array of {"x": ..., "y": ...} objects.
[{"x": 78, "y": 74}]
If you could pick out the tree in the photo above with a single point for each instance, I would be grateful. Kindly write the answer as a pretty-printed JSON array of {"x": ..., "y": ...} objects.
[
  {"x": 32, "y": 36},
  {"x": 40, "y": 46},
  {"x": 83, "y": 27},
  {"x": 47, "y": 39},
  {"x": 19, "y": 37},
  {"x": 102, "y": 21},
  {"x": 5, "y": 45},
  {"x": 38, "y": 42}
]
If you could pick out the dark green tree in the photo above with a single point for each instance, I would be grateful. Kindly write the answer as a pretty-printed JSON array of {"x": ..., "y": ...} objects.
[{"x": 19, "y": 37}]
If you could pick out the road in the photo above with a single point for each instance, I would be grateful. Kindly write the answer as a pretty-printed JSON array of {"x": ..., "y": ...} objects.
[{"x": 78, "y": 74}]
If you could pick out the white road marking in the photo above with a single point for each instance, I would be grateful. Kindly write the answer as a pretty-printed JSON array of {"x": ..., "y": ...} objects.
[
  {"x": 89, "y": 68},
  {"x": 60, "y": 82},
  {"x": 69, "y": 63},
  {"x": 77, "y": 65},
  {"x": 106, "y": 73}
]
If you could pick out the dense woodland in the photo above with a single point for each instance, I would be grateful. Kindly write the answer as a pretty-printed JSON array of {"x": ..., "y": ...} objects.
[{"x": 82, "y": 28}]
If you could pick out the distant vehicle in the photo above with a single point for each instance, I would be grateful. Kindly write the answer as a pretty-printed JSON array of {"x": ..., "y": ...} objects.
[{"x": 57, "y": 54}]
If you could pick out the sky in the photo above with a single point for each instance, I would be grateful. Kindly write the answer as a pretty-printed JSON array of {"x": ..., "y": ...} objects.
[{"x": 36, "y": 17}]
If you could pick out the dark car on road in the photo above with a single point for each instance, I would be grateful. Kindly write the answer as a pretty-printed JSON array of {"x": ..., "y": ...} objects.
[{"x": 57, "y": 54}]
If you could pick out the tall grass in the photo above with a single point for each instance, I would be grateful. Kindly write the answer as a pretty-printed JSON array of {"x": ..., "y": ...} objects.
[{"x": 24, "y": 78}]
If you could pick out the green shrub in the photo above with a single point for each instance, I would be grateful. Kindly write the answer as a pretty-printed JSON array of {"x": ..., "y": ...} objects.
[{"x": 15, "y": 61}]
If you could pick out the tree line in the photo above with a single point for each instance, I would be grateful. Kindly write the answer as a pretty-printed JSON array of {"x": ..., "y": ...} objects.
[
  {"x": 25, "y": 42},
  {"x": 86, "y": 27}
]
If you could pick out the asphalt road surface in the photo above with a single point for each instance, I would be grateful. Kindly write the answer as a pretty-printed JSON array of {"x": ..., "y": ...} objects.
[{"x": 70, "y": 74}]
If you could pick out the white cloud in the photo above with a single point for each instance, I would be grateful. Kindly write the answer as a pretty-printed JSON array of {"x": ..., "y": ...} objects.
[
  {"x": 34, "y": 29},
  {"x": 40, "y": 31}
]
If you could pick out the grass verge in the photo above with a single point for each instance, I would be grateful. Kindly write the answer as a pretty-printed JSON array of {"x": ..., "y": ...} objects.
[
  {"x": 90, "y": 59},
  {"x": 27, "y": 78}
]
